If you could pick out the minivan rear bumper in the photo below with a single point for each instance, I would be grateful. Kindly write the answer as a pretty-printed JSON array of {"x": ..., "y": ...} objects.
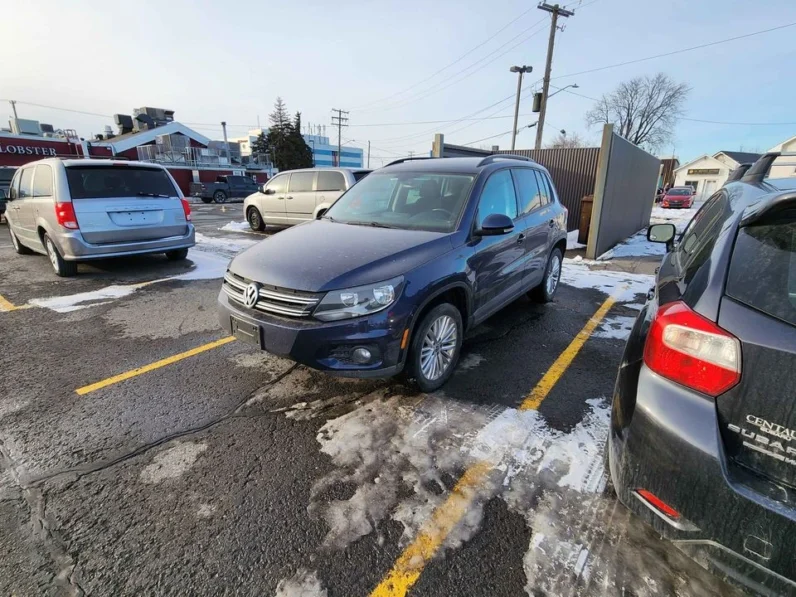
[
  {"x": 673, "y": 448},
  {"x": 74, "y": 248},
  {"x": 326, "y": 346}
]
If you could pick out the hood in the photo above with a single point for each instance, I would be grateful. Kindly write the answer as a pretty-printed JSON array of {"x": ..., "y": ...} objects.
[{"x": 318, "y": 256}]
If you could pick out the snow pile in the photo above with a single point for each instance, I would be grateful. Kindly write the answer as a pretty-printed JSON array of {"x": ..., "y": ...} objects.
[
  {"x": 222, "y": 246},
  {"x": 635, "y": 246},
  {"x": 302, "y": 584},
  {"x": 572, "y": 240},
  {"x": 236, "y": 227}
]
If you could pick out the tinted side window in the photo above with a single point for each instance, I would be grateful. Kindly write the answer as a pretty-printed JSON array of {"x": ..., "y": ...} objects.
[
  {"x": 542, "y": 187},
  {"x": 763, "y": 269},
  {"x": 301, "y": 182},
  {"x": 700, "y": 236},
  {"x": 26, "y": 183},
  {"x": 278, "y": 184},
  {"x": 528, "y": 189},
  {"x": 43, "y": 182},
  {"x": 330, "y": 181},
  {"x": 551, "y": 191},
  {"x": 13, "y": 191},
  {"x": 498, "y": 197}
]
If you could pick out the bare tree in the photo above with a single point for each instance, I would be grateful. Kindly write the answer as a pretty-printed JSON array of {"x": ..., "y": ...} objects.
[
  {"x": 645, "y": 109},
  {"x": 566, "y": 141}
]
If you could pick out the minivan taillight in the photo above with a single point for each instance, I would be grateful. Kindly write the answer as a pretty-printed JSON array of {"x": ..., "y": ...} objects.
[
  {"x": 693, "y": 351},
  {"x": 186, "y": 208},
  {"x": 65, "y": 215}
]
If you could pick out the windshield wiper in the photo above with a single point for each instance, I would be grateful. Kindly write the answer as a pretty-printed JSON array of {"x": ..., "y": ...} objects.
[
  {"x": 143, "y": 194},
  {"x": 373, "y": 224},
  {"x": 330, "y": 218}
]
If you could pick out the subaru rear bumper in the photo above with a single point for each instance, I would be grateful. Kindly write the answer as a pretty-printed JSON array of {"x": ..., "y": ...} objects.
[
  {"x": 672, "y": 448},
  {"x": 74, "y": 248}
]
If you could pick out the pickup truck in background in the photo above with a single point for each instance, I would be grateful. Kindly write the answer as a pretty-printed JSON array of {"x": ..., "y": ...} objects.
[{"x": 225, "y": 187}]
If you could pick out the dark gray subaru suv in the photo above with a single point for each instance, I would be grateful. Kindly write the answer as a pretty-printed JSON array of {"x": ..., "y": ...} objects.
[
  {"x": 703, "y": 426},
  {"x": 397, "y": 270}
]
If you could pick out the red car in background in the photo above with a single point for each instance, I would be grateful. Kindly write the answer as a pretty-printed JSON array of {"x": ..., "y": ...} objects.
[{"x": 678, "y": 197}]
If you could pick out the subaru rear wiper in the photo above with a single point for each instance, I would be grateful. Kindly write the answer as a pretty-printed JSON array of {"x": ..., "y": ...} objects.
[{"x": 142, "y": 194}]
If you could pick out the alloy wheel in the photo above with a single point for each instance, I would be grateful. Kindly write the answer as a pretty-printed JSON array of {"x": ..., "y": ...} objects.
[
  {"x": 438, "y": 348},
  {"x": 52, "y": 254},
  {"x": 553, "y": 275}
]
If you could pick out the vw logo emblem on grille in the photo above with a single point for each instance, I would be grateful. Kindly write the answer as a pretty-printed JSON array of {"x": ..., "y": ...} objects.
[{"x": 251, "y": 295}]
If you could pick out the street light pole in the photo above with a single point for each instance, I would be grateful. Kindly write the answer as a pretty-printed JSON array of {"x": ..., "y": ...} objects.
[{"x": 520, "y": 70}]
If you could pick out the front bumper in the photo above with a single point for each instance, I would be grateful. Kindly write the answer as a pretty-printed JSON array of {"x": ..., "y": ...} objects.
[
  {"x": 326, "y": 346},
  {"x": 74, "y": 248},
  {"x": 673, "y": 449}
]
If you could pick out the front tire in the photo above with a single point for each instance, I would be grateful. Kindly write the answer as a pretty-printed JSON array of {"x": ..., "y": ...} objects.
[
  {"x": 255, "y": 220},
  {"x": 220, "y": 197},
  {"x": 545, "y": 292},
  {"x": 64, "y": 269},
  {"x": 18, "y": 246},
  {"x": 177, "y": 254},
  {"x": 436, "y": 346}
]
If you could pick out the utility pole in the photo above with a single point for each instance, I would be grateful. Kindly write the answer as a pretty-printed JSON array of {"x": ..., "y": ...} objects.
[
  {"x": 368, "y": 154},
  {"x": 556, "y": 11},
  {"x": 226, "y": 142},
  {"x": 14, "y": 108},
  {"x": 341, "y": 120},
  {"x": 520, "y": 70}
]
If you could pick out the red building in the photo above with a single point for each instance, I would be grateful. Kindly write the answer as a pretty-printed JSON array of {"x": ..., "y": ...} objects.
[{"x": 189, "y": 156}]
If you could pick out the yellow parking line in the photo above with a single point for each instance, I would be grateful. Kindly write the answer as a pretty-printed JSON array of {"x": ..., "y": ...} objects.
[
  {"x": 564, "y": 360},
  {"x": 152, "y": 366},
  {"x": 6, "y": 305},
  {"x": 413, "y": 560}
]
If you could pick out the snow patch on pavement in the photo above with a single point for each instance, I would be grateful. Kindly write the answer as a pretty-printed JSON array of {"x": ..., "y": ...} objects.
[
  {"x": 172, "y": 463},
  {"x": 635, "y": 246},
  {"x": 302, "y": 584},
  {"x": 624, "y": 285},
  {"x": 616, "y": 327},
  {"x": 81, "y": 300},
  {"x": 236, "y": 226},
  {"x": 679, "y": 217},
  {"x": 231, "y": 246},
  {"x": 572, "y": 240},
  {"x": 469, "y": 361}
]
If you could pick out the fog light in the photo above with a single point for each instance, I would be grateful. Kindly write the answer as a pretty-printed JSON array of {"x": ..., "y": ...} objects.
[{"x": 361, "y": 355}]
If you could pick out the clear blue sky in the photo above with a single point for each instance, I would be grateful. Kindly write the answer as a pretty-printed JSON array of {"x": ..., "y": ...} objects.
[{"x": 213, "y": 61}]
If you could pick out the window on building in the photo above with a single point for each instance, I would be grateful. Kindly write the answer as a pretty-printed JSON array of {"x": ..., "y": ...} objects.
[{"x": 692, "y": 183}]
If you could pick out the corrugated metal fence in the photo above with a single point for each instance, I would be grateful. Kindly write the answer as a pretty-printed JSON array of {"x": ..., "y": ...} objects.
[{"x": 574, "y": 172}]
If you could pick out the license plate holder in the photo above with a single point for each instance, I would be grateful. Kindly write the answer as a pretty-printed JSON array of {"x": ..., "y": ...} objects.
[{"x": 247, "y": 332}]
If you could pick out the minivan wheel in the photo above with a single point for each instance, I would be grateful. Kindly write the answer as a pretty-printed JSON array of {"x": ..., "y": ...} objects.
[
  {"x": 436, "y": 345},
  {"x": 255, "y": 220},
  {"x": 545, "y": 292},
  {"x": 177, "y": 254},
  {"x": 219, "y": 196},
  {"x": 18, "y": 246},
  {"x": 62, "y": 268}
]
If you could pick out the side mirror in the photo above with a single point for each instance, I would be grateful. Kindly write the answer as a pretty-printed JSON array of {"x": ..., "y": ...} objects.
[
  {"x": 265, "y": 191},
  {"x": 662, "y": 233},
  {"x": 496, "y": 225}
]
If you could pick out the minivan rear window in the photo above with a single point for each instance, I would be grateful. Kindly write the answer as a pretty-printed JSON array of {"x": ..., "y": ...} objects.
[
  {"x": 763, "y": 268},
  {"x": 100, "y": 182}
]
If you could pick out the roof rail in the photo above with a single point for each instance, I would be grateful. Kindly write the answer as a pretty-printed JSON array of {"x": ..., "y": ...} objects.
[
  {"x": 759, "y": 170},
  {"x": 402, "y": 160},
  {"x": 502, "y": 156},
  {"x": 738, "y": 173}
]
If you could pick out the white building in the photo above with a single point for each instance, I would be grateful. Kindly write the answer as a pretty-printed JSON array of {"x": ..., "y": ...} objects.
[
  {"x": 779, "y": 169},
  {"x": 324, "y": 153},
  {"x": 708, "y": 173}
]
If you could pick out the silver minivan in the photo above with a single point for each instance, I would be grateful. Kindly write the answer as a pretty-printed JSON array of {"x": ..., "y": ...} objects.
[
  {"x": 299, "y": 195},
  {"x": 83, "y": 209}
]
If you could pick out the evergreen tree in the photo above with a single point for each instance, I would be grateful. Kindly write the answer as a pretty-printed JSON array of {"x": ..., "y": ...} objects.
[
  {"x": 301, "y": 152},
  {"x": 284, "y": 140},
  {"x": 260, "y": 144}
]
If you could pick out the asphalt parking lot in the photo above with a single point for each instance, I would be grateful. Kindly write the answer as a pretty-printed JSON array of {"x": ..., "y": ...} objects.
[{"x": 142, "y": 452}]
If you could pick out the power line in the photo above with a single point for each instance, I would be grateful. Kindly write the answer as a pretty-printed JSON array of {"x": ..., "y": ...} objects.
[
  {"x": 434, "y": 121},
  {"x": 444, "y": 68},
  {"x": 672, "y": 53}
]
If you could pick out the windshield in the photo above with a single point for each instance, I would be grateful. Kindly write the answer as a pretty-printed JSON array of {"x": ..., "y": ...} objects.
[
  {"x": 686, "y": 192},
  {"x": 93, "y": 182},
  {"x": 408, "y": 200}
]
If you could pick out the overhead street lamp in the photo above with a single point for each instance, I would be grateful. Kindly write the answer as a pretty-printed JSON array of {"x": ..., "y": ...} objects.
[
  {"x": 573, "y": 86},
  {"x": 520, "y": 70}
]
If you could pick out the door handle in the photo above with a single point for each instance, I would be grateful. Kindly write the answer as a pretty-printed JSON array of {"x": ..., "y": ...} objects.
[
  {"x": 288, "y": 197},
  {"x": 552, "y": 223},
  {"x": 281, "y": 198},
  {"x": 520, "y": 239}
]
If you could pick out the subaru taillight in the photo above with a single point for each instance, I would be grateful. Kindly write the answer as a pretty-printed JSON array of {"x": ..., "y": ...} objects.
[
  {"x": 65, "y": 215},
  {"x": 693, "y": 351},
  {"x": 186, "y": 208}
]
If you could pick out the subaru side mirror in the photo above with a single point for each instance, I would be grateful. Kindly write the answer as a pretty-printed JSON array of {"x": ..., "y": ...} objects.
[
  {"x": 496, "y": 225},
  {"x": 662, "y": 233}
]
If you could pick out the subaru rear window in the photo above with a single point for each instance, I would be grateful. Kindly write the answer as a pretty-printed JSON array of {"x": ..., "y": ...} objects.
[
  {"x": 763, "y": 268},
  {"x": 101, "y": 182}
]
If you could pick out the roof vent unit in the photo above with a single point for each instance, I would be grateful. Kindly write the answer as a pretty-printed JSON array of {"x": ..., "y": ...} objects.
[
  {"x": 124, "y": 122},
  {"x": 108, "y": 132},
  {"x": 143, "y": 122},
  {"x": 20, "y": 126},
  {"x": 159, "y": 116},
  {"x": 46, "y": 128}
]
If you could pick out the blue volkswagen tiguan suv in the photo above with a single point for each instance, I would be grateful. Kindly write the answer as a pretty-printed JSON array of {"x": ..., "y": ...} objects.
[{"x": 398, "y": 269}]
